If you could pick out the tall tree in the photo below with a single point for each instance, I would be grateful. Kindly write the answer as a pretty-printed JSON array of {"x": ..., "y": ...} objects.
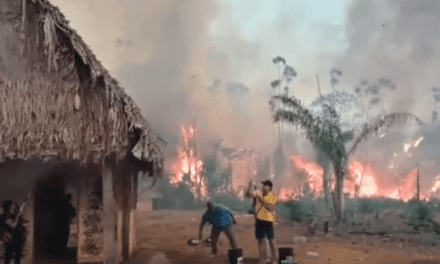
[
  {"x": 342, "y": 102},
  {"x": 326, "y": 132},
  {"x": 286, "y": 75}
]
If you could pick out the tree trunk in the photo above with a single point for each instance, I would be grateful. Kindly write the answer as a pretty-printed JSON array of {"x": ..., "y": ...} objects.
[
  {"x": 340, "y": 201},
  {"x": 326, "y": 184},
  {"x": 418, "y": 183}
]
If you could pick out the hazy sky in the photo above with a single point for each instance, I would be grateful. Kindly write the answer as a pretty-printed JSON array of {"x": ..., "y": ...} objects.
[{"x": 172, "y": 51}]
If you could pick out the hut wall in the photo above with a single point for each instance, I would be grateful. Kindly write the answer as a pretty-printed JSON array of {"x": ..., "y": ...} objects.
[{"x": 90, "y": 233}]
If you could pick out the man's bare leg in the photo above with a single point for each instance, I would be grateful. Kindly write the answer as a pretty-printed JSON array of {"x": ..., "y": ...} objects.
[
  {"x": 215, "y": 233},
  {"x": 262, "y": 244},
  {"x": 273, "y": 247},
  {"x": 230, "y": 234}
]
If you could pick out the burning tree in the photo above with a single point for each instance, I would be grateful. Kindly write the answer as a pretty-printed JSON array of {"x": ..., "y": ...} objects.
[
  {"x": 189, "y": 168},
  {"x": 344, "y": 102},
  {"x": 326, "y": 133}
]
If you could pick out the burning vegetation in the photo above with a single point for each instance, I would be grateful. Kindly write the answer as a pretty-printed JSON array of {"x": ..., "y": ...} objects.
[
  {"x": 189, "y": 169},
  {"x": 336, "y": 185}
]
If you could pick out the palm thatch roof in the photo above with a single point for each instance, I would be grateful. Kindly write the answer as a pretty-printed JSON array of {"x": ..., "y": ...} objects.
[{"x": 57, "y": 100}]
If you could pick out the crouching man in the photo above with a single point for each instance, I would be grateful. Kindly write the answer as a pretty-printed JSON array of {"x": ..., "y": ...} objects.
[{"x": 222, "y": 220}]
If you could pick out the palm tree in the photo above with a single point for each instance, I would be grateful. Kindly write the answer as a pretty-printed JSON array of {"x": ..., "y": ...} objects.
[
  {"x": 343, "y": 102},
  {"x": 325, "y": 131},
  {"x": 286, "y": 75}
]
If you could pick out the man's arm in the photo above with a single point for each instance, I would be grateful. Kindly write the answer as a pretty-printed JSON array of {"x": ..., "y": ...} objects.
[
  {"x": 251, "y": 190},
  {"x": 233, "y": 219},
  {"x": 269, "y": 206},
  {"x": 12, "y": 223}
]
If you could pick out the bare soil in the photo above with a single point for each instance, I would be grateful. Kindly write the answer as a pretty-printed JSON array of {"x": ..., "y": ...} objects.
[{"x": 162, "y": 239}]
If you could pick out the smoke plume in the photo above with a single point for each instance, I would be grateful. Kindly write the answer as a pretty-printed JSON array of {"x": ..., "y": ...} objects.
[{"x": 194, "y": 61}]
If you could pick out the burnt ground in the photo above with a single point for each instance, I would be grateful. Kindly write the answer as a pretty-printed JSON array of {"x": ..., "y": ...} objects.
[{"x": 162, "y": 239}]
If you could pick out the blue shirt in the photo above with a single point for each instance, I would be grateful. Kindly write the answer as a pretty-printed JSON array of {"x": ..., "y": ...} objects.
[{"x": 219, "y": 216}]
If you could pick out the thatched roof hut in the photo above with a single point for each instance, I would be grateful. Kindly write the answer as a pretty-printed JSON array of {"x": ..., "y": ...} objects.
[
  {"x": 60, "y": 106},
  {"x": 58, "y": 101}
]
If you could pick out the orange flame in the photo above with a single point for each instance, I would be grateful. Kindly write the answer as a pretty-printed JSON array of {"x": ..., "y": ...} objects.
[
  {"x": 433, "y": 191},
  {"x": 361, "y": 181},
  {"x": 314, "y": 174},
  {"x": 188, "y": 164},
  {"x": 287, "y": 194}
]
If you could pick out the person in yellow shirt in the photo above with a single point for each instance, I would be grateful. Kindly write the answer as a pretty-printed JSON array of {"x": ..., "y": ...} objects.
[{"x": 264, "y": 219}]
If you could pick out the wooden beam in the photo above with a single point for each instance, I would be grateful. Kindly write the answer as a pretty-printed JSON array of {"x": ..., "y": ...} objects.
[
  {"x": 126, "y": 209},
  {"x": 133, "y": 202},
  {"x": 110, "y": 213}
]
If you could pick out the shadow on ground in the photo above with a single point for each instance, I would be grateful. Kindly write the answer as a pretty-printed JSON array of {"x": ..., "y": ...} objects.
[{"x": 69, "y": 258}]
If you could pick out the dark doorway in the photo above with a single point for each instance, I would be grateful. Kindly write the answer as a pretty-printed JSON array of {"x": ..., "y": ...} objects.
[{"x": 49, "y": 191}]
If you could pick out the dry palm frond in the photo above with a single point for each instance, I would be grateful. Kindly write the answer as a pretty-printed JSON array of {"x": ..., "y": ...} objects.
[
  {"x": 325, "y": 133},
  {"x": 382, "y": 122}
]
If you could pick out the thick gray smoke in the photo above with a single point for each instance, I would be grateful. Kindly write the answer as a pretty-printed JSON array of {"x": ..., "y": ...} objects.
[
  {"x": 186, "y": 61},
  {"x": 396, "y": 40}
]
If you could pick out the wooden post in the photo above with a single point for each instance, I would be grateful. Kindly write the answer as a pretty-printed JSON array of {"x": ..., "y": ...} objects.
[
  {"x": 80, "y": 229},
  {"x": 126, "y": 209},
  {"x": 134, "y": 210},
  {"x": 131, "y": 229},
  {"x": 110, "y": 213}
]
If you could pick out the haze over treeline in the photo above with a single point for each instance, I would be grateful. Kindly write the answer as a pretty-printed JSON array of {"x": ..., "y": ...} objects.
[{"x": 211, "y": 62}]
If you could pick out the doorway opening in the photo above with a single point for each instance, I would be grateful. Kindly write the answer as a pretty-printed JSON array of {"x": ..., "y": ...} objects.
[{"x": 54, "y": 215}]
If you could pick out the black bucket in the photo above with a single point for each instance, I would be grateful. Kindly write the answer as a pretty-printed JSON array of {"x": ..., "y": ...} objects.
[
  {"x": 285, "y": 253},
  {"x": 235, "y": 256}
]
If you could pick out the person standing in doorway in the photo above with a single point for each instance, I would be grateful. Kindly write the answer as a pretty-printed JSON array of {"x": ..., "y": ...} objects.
[
  {"x": 64, "y": 213},
  {"x": 264, "y": 220}
]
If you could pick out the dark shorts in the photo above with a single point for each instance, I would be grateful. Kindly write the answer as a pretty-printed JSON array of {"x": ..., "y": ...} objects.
[{"x": 264, "y": 229}]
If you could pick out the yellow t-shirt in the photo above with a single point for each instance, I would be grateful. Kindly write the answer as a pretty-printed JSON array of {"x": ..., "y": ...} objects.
[{"x": 263, "y": 213}]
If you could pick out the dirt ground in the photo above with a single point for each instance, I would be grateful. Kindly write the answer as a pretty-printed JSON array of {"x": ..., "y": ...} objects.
[{"x": 162, "y": 239}]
